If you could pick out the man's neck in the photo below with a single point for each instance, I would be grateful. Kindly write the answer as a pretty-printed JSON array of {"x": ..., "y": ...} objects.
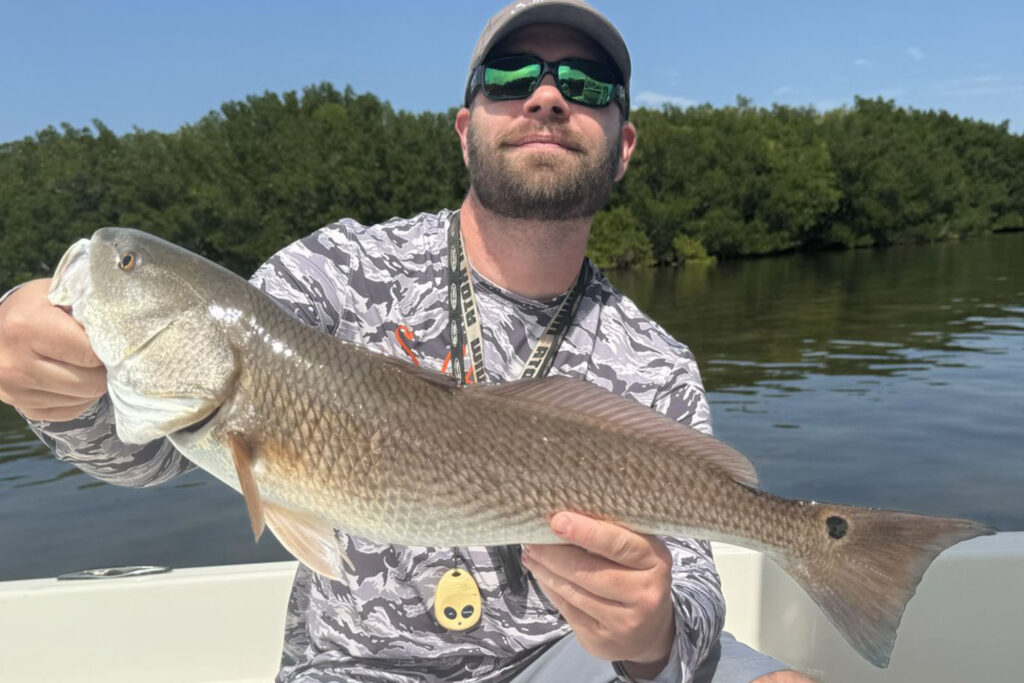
[{"x": 534, "y": 259}]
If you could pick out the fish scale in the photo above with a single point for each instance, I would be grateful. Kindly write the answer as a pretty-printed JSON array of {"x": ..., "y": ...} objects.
[{"x": 319, "y": 434}]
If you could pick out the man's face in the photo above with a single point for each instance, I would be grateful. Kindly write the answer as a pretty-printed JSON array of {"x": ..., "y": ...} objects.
[{"x": 544, "y": 157}]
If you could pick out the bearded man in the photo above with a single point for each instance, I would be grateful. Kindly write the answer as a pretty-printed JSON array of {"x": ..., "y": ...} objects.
[{"x": 545, "y": 134}]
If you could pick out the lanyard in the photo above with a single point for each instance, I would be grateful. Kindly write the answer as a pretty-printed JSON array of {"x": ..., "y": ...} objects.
[
  {"x": 464, "y": 320},
  {"x": 465, "y": 333}
]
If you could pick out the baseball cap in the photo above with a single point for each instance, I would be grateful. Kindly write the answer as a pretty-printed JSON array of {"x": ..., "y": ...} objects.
[{"x": 572, "y": 13}]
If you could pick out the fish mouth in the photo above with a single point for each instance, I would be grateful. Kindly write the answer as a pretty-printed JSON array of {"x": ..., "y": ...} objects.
[{"x": 71, "y": 282}]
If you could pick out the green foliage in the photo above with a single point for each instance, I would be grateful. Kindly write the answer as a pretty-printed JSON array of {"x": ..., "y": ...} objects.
[
  {"x": 690, "y": 250},
  {"x": 616, "y": 241},
  {"x": 725, "y": 182},
  {"x": 739, "y": 180},
  {"x": 743, "y": 181}
]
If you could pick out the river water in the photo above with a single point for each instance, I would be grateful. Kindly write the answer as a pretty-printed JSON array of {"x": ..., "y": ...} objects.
[{"x": 883, "y": 377}]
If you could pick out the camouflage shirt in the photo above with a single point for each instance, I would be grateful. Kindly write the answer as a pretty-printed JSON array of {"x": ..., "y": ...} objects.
[{"x": 385, "y": 287}]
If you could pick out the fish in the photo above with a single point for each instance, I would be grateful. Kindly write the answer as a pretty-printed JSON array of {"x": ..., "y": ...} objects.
[{"x": 319, "y": 434}]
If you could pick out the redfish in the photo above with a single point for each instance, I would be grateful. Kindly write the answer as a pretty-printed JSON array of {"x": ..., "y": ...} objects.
[{"x": 319, "y": 434}]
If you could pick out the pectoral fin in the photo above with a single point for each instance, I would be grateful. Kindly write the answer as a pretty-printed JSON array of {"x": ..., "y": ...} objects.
[
  {"x": 242, "y": 455},
  {"x": 309, "y": 539}
]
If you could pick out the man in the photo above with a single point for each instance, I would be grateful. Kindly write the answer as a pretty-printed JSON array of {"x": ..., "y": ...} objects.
[{"x": 545, "y": 134}]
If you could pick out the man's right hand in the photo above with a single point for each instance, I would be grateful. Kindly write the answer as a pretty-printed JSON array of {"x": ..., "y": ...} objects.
[{"x": 48, "y": 370}]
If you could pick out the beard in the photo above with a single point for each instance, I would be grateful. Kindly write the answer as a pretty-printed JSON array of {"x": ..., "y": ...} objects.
[{"x": 540, "y": 186}]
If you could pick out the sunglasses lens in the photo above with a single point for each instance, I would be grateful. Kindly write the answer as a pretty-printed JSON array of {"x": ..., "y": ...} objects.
[
  {"x": 580, "y": 80},
  {"x": 586, "y": 82},
  {"x": 511, "y": 78}
]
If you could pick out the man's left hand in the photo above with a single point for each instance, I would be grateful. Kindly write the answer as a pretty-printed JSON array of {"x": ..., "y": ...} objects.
[{"x": 614, "y": 588}]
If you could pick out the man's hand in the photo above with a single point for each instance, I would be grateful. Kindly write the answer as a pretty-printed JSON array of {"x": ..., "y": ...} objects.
[
  {"x": 48, "y": 370},
  {"x": 613, "y": 586}
]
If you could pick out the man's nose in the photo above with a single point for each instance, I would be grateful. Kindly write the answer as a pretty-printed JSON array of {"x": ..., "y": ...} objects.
[{"x": 547, "y": 100}]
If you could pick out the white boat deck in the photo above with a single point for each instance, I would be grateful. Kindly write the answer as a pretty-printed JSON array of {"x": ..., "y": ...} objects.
[{"x": 225, "y": 624}]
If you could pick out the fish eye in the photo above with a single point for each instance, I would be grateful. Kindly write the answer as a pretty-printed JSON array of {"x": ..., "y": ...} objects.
[{"x": 127, "y": 261}]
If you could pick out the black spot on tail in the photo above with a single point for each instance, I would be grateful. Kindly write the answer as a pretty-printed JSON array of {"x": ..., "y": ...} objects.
[{"x": 837, "y": 527}]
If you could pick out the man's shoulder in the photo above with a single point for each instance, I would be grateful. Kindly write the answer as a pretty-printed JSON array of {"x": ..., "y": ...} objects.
[
  {"x": 347, "y": 239},
  {"x": 622, "y": 318},
  {"x": 337, "y": 275},
  {"x": 635, "y": 356}
]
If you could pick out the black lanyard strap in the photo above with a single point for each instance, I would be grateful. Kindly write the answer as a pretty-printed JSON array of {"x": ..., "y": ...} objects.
[
  {"x": 463, "y": 319},
  {"x": 464, "y": 325}
]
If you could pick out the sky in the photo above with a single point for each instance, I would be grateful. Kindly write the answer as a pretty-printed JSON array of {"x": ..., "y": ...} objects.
[{"x": 160, "y": 65}]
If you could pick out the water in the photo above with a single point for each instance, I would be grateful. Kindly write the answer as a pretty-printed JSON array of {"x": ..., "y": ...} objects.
[{"x": 887, "y": 377}]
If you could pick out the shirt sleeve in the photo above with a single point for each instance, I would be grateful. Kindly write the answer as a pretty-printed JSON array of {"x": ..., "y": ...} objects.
[
  {"x": 696, "y": 587},
  {"x": 90, "y": 443}
]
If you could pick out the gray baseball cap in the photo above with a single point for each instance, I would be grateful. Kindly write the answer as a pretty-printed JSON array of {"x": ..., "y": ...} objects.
[{"x": 573, "y": 13}]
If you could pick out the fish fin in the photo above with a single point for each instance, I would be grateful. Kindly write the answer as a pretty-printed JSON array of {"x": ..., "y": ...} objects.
[
  {"x": 309, "y": 539},
  {"x": 569, "y": 395},
  {"x": 242, "y": 455},
  {"x": 863, "y": 579}
]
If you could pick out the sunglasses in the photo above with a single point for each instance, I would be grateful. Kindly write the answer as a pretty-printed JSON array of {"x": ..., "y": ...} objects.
[{"x": 515, "y": 77}]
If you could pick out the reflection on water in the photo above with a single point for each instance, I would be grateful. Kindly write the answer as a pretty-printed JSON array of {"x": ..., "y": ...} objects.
[
  {"x": 867, "y": 312},
  {"x": 886, "y": 377}
]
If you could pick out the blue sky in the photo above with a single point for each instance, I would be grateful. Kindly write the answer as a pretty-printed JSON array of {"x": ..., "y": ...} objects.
[{"x": 163, "y": 64}]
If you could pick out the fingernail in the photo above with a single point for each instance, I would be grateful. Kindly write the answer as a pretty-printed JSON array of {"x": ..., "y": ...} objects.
[{"x": 561, "y": 525}]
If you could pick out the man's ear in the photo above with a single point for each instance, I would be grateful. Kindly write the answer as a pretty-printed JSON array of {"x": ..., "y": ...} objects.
[
  {"x": 628, "y": 145},
  {"x": 462, "y": 128}
]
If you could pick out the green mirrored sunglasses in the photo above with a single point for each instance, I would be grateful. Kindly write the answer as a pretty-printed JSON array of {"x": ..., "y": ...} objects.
[{"x": 515, "y": 77}]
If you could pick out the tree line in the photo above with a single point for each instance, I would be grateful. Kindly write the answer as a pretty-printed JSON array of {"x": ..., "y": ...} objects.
[{"x": 705, "y": 182}]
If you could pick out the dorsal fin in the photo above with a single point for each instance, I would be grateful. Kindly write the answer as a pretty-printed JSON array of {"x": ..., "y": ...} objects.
[{"x": 587, "y": 400}]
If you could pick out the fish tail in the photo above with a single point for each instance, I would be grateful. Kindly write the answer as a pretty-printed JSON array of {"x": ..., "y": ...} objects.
[{"x": 862, "y": 566}]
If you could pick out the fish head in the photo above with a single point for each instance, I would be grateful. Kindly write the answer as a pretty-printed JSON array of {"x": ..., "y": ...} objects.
[
  {"x": 123, "y": 287},
  {"x": 144, "y": 304}
]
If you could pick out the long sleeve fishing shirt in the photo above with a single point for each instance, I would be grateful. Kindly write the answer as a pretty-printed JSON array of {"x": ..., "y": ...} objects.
[{"x": 385, "y": 287}]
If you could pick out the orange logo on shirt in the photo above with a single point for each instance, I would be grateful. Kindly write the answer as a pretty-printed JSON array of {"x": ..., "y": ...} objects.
[
  {"x": 403, "y": 331},
  {"x": 404, "y": 334}
]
